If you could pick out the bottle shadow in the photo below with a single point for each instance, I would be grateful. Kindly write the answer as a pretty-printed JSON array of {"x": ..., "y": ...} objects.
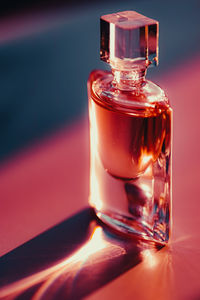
[{"x": 69, "y": 261}]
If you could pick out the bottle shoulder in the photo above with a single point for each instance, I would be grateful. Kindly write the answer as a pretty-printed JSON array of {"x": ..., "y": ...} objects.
[{"x": 147, "y": 99}]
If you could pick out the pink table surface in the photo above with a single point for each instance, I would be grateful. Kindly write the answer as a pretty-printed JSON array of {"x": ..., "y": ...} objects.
[{"x": 48, "y": 183}]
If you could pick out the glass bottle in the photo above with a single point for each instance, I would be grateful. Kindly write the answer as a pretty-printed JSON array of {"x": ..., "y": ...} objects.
[{"x": 130, "y": 131}]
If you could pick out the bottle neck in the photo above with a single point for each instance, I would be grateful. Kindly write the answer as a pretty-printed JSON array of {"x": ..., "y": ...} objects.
[{"x": 129, "y": 79}]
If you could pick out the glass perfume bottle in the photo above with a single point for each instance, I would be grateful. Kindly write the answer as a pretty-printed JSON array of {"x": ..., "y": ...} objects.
[{"x": 130, "y": 131}]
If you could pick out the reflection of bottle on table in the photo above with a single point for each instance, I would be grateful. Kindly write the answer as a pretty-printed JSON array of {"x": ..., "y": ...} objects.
[{"x": 130, "y": 131}]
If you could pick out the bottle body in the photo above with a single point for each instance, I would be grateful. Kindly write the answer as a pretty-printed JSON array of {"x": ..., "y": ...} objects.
[{"x": 130, "y": 156}]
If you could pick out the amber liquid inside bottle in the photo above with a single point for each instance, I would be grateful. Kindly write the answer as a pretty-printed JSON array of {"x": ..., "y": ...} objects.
[{"x": 130, "y": 142}]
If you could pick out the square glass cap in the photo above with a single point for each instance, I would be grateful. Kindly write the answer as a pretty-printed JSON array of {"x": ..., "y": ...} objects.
[{"x": 129, "y": 37}]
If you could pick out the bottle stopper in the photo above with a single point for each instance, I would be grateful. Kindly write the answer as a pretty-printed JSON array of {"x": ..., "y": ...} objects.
[{"x": 129, "y": 38}]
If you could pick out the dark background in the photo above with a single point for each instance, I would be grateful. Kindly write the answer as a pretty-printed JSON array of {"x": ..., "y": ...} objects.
[{"x": 48, "y": 48}]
